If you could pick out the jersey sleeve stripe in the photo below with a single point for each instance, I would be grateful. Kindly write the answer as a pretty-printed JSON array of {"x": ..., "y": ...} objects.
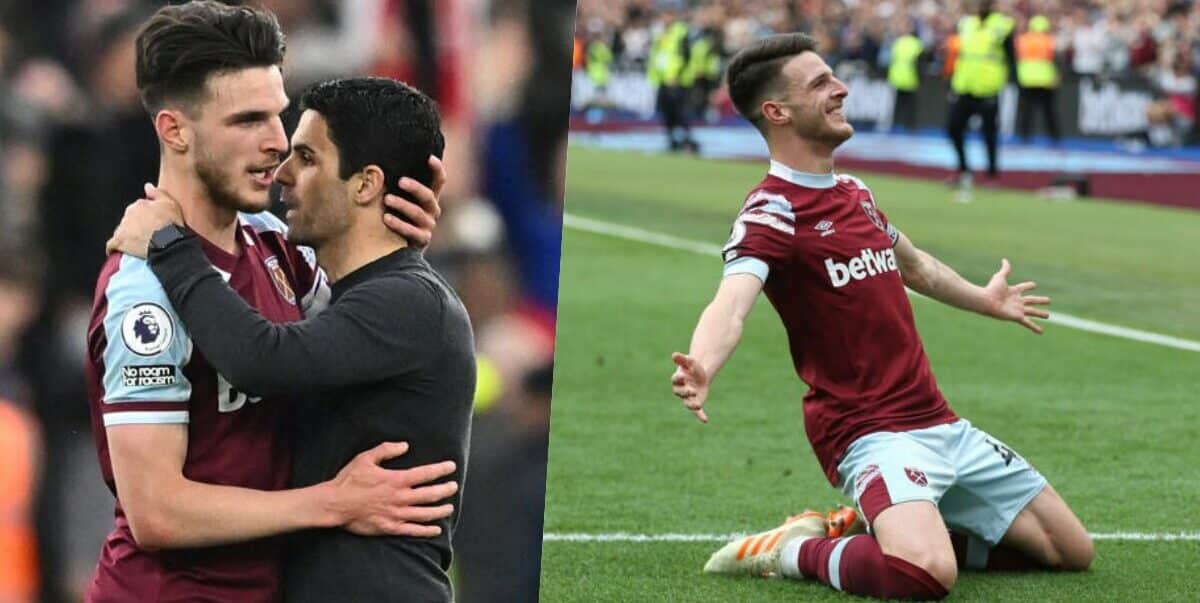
[
  {"x": 748, "y": 265},
  {"x": 769, "y": 220},
  {"x": 773, "y": 204},
  {"x": 893, "y": 234},
  {"x": 145, "y": 417}
]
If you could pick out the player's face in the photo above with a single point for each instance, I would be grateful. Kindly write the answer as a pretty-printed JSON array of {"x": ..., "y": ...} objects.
[
  {"x": 815, "y": 99},
  {"x": 318, "y": 200},
  {"x": 239, "y": 137}
]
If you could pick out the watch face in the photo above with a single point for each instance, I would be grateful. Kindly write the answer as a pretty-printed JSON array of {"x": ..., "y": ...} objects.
[{"x": 165, "y": 236}]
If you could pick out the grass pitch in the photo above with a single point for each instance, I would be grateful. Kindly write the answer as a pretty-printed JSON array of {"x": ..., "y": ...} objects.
[{"x": 1111, "y": 422}]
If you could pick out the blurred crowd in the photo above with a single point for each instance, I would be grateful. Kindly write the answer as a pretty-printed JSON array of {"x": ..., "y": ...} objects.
[
  {"x": 76, "y": 146},
  {"x": 1156, "y": 41}
]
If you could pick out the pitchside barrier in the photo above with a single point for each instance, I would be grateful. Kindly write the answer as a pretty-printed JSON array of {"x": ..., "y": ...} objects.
[{"x": 1087, "y": 106}]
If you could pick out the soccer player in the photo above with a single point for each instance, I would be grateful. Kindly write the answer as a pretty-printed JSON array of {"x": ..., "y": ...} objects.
[
  {"x": 835, "y": 270},
  {"x": 196, "y": 464},
  {"x": 390, "y": 359}
]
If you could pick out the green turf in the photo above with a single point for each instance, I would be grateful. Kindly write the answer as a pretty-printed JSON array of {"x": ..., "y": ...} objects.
[{"x": 1111, "y": 422}]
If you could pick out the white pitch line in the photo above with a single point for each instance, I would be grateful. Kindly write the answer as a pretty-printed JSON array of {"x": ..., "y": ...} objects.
[
  {"x": 670, "y": 537},
  {"x": 642, "y": 236},
  {"x": 649, "y": 237}
]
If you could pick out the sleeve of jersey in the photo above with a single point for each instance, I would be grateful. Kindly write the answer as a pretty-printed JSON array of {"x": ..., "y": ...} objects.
[
  {"x": 892, "y": 233},
  {"x": 146, "y": 349},
  {"x": 762, "y": 236}
]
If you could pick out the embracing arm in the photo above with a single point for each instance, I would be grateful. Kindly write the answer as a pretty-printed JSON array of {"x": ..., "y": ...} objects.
[
  {"x": 167, "y": 510},
  {"x": 359, "y": 339},
  {"x": 717, "y": 334},
  {"x": 926, "y": 275}
]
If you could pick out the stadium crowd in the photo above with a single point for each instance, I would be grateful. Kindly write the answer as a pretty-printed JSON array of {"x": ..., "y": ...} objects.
[
  {"x": 1156, "y": 40},
  {"x": 76, "y": 146}
]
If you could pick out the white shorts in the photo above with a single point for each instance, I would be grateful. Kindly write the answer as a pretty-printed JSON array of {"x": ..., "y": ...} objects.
[{"x": 977, "y": 482}]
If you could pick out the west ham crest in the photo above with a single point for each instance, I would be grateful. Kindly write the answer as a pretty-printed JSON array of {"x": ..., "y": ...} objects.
[
  {"x": 280, "y": 278},
  {"x": 868, "y": 208},
  {"x": 916, "y": 476}
]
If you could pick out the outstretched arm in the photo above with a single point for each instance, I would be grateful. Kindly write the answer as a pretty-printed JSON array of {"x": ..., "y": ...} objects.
[
  {"x": 716, "y": 335},
  {"x": 926, "y": 275}
]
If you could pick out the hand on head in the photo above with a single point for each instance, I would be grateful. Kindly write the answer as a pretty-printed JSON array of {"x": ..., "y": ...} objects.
[{"x": 420, "y": 218}]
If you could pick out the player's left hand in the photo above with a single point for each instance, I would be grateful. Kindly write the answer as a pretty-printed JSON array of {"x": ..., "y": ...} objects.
[
  {"x": 1011, "y": 303},
  {"x": 421, "y": 216},
  {"x": 142, "y": 218},
  {"x": 690, "y": 384}
]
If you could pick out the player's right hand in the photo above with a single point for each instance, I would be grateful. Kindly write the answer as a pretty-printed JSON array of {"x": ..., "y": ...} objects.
[
  {"x": 372, "y": 500},
  {"x": 690, "y": 384}
]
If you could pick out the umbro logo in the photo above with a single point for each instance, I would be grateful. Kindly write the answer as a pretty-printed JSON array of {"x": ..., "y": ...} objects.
[{"x": 825, "y": 227}]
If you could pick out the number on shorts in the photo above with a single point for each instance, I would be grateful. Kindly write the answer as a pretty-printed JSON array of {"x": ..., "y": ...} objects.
[{"x": 1005, "y": 452}]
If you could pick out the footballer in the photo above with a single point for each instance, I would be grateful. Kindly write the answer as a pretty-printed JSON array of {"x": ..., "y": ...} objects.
[
  {"x": 199, "y": 468},
  {"x": 936, "y": 493},
  {"x": 390, "y": 359}
]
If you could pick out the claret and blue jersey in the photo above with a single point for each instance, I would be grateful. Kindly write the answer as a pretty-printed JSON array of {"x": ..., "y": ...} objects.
[
  {"x": 143, "y": 369},
  {"x": 824, "y": 252}
]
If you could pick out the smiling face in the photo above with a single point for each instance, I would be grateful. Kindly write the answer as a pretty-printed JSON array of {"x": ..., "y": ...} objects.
[
  {"x": 318, "y": 200},
  {"x": 812, "y": 101},
  {"x": 239, "y": 137}
]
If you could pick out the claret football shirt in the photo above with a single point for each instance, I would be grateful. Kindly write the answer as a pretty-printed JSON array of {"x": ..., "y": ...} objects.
[
  {"x": 824, "y": 252},
  {"x": 142, "y": 368}
]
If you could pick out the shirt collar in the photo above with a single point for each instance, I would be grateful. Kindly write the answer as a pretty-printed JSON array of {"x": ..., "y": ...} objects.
[{"x": 805, "y": 179}]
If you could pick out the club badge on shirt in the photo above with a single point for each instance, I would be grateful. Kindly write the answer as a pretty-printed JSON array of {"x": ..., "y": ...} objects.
[
  {"x": 280, "y": 278},
  {"x": 868, "y": 208}
]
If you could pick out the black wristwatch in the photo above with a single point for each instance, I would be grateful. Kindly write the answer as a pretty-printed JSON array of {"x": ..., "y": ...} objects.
[{"x": 167, "y": 236}]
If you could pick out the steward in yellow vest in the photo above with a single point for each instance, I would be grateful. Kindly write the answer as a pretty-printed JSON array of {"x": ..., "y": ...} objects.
[
  {"x": 1037, "y": 75},
  {"x": 983, "y": 61},
  {"x": 702, "y": 74},
  {"x": 1035, "y": 56},
  {"x": 904, "y": 74},
  {"x": 599, "y": 63},
  {"x": 666, "y": 71},
  {"x": 985, "y": 58}
]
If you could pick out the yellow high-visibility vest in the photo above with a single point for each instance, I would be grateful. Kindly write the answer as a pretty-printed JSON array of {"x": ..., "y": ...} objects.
[
  {"x": 702, "y": 62},
  {"x": 981, "y": 69},
  {"x": 599, "y": 62},
  {"x": 1035, "y": 60},
  {"x": 666, "y": 56},
  {"x": 902, "y": 72}
]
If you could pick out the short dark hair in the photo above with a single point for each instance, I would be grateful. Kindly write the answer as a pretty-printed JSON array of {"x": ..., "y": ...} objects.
[
  {"x": 756, "y": 71},
  {"x": 380, "y": 121},
  {"x": 180, "y": 46}
]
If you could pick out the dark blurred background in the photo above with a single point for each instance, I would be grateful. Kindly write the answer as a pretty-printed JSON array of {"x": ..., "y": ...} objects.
[{"x": 76, "y": 145}]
